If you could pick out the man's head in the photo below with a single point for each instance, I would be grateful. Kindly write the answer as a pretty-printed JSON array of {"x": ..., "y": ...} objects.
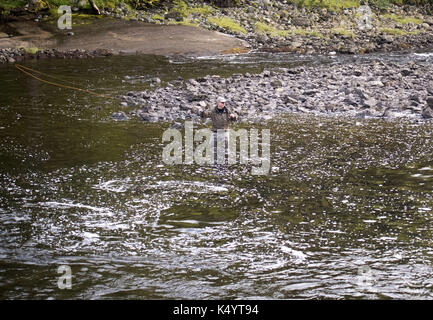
[{"x": 221, "y": 102}]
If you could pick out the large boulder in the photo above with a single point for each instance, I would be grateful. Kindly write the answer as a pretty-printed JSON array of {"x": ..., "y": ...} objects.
[
  {"x": 301, "y": 21},
  {"x": 276, "y": 83},
  {"x": 175, "y": 15},
  {"x": 427, "y": 113},
  {"x": 430, "y": 102},
  {"x": 119, "y": 116}
]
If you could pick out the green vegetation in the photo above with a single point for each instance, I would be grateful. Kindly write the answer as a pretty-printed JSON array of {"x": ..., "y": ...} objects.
[
  {"x": 203, "y": 10},
  {"x": 402, "y": 20},
  {"x": 180, "y": 5},
  {"x": 304, "y": 32},
  {"x": 31, "y": 50},
  {"x": 182, "y": 9},
  {"x": 383, "y": 4},
  {"x": 266, "y": 29},
  {"x": 343, "y": 32},
  {"x": 227, "y": 23},
  {"x": 57, "y": 3},
  {"x": 158, "y": 17},
  {"x": 10, "y": 4},
  {"x": 334, "y": 5},
  {"x": 397, "y": 32},
  {"x": 187, "y": 12},
  {"x": 136, "y": 4},
  {"x": 184, "y": 23}
]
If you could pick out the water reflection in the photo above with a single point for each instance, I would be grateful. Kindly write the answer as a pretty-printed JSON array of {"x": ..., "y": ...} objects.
[{"x": 79, "y": 189}]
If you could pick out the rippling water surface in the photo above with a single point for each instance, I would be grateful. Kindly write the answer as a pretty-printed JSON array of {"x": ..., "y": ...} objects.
[{"x": 345, "y": 212}]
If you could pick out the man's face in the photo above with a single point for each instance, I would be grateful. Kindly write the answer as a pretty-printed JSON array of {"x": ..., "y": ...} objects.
[{"x": 220, "y": 105}]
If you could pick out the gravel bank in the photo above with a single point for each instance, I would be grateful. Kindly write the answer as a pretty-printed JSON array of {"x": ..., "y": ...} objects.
[{"x": 370, "y": 89}]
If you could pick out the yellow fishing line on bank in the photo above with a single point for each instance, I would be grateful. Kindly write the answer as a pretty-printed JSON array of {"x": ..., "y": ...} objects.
[{"x": 24, "y": 68}]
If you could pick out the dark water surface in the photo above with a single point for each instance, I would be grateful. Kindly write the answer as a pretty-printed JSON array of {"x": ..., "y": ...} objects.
[{"x": 345, "y": 212}]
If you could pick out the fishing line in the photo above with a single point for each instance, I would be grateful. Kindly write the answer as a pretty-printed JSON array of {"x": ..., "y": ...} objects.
[{"x": 24, "y": 68}]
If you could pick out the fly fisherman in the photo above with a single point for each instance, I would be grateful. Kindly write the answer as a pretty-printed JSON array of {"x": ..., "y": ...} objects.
[{"x": 221, "y": 117}]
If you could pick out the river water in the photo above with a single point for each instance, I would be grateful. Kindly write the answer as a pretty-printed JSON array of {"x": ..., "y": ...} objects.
[{"x": 345, "y": 211}]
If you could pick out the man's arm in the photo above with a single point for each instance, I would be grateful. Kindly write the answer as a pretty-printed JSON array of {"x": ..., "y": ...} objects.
[
  {"x": 232, "y": 115},
  {"x": 205, "y": 113}
]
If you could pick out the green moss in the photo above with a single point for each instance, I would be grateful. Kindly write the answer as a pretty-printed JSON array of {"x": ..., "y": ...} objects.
[
  {"x": 303, "y": 32},
  {"x": 227, "y": 23},
  {"x": 158, "y": 17},
  {"x": 204, "y": 10},
  {"x": 334, "y": 5},
  {"x": 266, "y": 29},
  {"x": 263, "y": 28},
  {"x": 343, "y": 32},
  {"x": 402, "y": 20},
  {"x": 182, "y": 8},
  {"x": 31, "y": 50},
  {"x": 105, "y": 3},
  {"x": 58, "y": 3},
  {"x": 11, "y": 4},
  {"x": 397, "y": 32},
  {"x": 54, "y": 4},
  {"x": 184, "y": 23}
]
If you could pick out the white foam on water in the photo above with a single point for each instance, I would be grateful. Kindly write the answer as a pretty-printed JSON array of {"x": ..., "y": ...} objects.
[
  {"x": 424, "y": 209},
  {"x": 370, "y": 221},
  {"x": 90, "y": 237},
  {"x": 421, "y": 176},
  {"x": 398, "y": 256},
  {"x": 388, "y": 238},
  {"x": 335, "y": 231},
  {"x": 429, "y": 54},
  {"x": 192, "y": 186},
  {"x": 118, "y": 186},
  {"x": 297, "y": 255},
  {"x": 195, "y": 222},
  {"x": 66, "y": 205},
  {"x": 300, "y": 286},
  {"x": 111, "y": 226},
  {"x": 426, "y": 169}
]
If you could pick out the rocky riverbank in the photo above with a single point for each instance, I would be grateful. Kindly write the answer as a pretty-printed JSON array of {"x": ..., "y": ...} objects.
[
  {"x": 368, "y": 89},
  {"x": 20, "y": 54},
  {"x": 263, "y": 25},
  {"x": 284, "y": 26}
]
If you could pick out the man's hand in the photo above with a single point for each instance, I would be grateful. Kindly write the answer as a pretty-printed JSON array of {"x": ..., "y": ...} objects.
[
  {"x": 233, "y": 116},
  {"x": 198, "y": 111}
]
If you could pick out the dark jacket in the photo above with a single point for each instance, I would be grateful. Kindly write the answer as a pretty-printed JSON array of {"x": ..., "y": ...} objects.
[{"x": 220, "y": 118}]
